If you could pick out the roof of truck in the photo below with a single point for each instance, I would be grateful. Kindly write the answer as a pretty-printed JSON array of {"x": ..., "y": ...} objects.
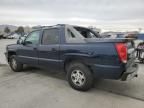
[{"x": 57, "y": 25}]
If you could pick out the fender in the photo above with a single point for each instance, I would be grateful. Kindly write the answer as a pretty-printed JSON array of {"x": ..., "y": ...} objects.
[{"x": 84, "y": 58}]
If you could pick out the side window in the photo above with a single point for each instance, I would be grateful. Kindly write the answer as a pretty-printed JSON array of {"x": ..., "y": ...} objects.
[
  {"x": 50, "y": 36},
  {"x": 33, "y": 38}
]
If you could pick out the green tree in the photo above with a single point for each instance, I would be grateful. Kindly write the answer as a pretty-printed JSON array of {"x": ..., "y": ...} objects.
[
  {"x": 7, "y": 30},
  {"x": 20, "y": 30}
]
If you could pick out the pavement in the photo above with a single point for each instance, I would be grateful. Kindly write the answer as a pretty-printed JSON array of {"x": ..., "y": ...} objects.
[
  {"x": 3, "y": 44},
  {"x": 39, "y": 88}
]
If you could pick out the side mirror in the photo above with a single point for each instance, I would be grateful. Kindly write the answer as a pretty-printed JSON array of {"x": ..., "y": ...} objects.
[{"x": 20, "y": 41}]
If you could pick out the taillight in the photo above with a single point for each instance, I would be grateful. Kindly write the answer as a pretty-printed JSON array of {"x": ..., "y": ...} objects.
[{"x": 122, "y": 52}]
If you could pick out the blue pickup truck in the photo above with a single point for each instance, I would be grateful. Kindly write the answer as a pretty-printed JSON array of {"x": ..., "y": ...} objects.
[{"x": 78, "y": 51}]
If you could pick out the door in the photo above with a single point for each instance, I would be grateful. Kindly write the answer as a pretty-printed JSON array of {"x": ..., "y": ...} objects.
[
  {"x": 48, "y": 50},
  {"x": 27, "y": 53}
]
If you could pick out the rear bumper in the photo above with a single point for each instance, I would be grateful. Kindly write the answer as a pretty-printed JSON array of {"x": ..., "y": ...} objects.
[
  {"x": 107, "y": 71},
  {"x": 130, "y": 73}
]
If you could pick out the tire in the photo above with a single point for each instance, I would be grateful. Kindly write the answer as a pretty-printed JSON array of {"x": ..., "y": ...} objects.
[
  {"x": 79, "y": 76},
  {"x": 14, "y": 64}
]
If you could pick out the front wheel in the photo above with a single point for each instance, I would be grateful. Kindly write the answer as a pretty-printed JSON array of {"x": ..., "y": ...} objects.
[
  {"x": 79, "y": 76},
  {"x": 14, "y": 64}
]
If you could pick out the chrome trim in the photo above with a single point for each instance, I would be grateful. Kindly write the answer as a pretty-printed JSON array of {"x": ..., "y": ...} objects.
[
  {"x": 28, "y": 57},
  {"x": 44, "y": 59},
  {"x": 106, "y": 66}
]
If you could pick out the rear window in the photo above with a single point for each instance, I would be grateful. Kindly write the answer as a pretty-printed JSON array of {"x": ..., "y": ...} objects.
[
  {"x": 79, "y": 34},
  {"x": 86, "y": 33}
]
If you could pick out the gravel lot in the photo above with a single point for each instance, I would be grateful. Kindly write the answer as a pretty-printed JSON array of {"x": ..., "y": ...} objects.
[{"x": 37, "y": 88}]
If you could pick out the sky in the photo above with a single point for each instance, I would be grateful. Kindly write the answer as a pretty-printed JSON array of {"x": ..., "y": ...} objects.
[{"x": 113, "y": 15}]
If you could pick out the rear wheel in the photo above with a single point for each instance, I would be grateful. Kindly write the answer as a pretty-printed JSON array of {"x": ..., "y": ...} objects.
[
  {"x": 14, "y": 64},
  {"x": 79, "y": 76}
]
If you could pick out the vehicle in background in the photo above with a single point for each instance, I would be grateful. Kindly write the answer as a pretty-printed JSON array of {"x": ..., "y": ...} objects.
[
  {"x": 119, "y": 35},
  {"x": 1, "y": 36},
  {"x": 5, "y": 36},
  {"x": 78, "y": 51},
  {"x": 13, "y": 36},
  {"x": 140, "y": 36}
]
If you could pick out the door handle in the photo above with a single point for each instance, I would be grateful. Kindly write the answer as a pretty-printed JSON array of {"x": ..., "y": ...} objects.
[
  {"x": 53, "y": 49},
  {"x": 35, "y": 48}
]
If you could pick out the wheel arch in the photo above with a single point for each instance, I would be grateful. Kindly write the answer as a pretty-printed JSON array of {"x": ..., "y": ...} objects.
[
  {"x": 71, "y": 59},
  {"x": 10, "y": 53}
]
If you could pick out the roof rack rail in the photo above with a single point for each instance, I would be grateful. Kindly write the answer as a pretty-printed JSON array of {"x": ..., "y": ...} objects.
[{"x": 40, "y": 27}]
